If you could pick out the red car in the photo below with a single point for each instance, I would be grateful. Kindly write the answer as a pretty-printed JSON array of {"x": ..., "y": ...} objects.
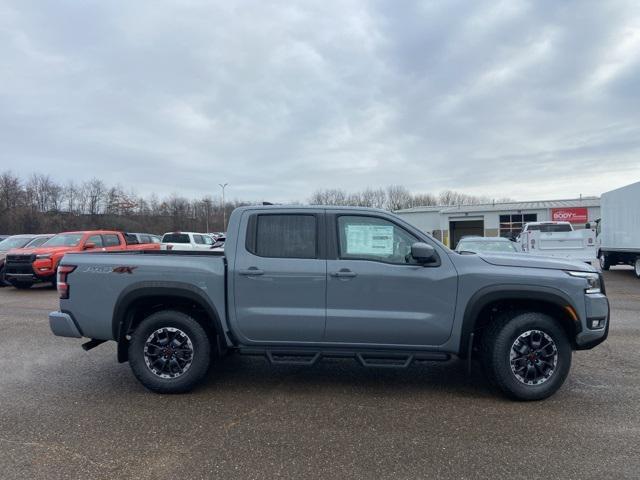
[{"x": 24, "y": 267}]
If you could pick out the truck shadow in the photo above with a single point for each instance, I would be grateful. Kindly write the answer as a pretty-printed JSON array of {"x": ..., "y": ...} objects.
[{"x": 239, "y": 372}]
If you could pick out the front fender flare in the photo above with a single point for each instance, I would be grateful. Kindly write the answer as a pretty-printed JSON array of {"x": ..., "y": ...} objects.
[{"x": 494, "y": 293}]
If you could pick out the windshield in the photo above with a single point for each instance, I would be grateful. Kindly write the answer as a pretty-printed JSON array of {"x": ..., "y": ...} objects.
[
  {"x": 36, "y": 242},
  {"x": 478, "y": 247},
  {"x": 14, "y": 242},
  {"x": 64, "y": 240}
]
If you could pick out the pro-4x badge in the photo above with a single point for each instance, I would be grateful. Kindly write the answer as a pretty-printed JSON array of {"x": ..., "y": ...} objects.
[{"x": 123, "y": 269}]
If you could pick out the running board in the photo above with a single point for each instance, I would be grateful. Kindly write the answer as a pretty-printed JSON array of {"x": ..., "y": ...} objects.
[
  {"x": 292, "y": 357},
  {"x": 366, "y": 358}
]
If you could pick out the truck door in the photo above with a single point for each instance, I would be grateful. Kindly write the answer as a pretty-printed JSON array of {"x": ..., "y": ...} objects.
[
  {"x": 280, "y": 277},
  {"x": 377, "y": 294}
]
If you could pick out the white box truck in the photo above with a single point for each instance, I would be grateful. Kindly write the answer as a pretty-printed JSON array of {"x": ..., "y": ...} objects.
[{"x": 619, "y": 228}]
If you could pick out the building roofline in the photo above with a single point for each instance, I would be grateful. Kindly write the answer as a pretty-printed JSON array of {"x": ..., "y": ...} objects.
[{"x": 494, "y": 205}]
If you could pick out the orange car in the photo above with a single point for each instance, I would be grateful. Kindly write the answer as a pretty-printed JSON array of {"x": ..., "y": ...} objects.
[{"x": 26, "y": 266}]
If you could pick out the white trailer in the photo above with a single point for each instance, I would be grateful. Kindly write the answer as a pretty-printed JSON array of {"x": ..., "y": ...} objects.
[
  {"x": 558, "y": 239},
  {"x": 619, "y": 228}
]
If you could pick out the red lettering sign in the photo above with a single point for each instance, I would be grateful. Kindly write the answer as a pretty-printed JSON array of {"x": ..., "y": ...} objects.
[{"x": 573, "y": 215}]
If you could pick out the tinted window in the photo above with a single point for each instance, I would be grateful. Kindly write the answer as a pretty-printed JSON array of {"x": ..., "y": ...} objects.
[
  {"x": 111, "y": 240},
  {"x": 176, "y": 238},
  {"x": 371, "y": 238},
  {"x": 198, "y": 239},
  {"x": 563, "y": 227},
  {"x": 285, "y": 236},
  {"x": 131, "y": 238}
]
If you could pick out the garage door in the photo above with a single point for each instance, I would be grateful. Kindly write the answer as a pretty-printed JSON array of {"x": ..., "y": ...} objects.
[{"x": 463, "y": 228}]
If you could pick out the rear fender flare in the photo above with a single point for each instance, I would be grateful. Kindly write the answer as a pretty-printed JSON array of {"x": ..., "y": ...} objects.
[{"x": 121, "y": 318}]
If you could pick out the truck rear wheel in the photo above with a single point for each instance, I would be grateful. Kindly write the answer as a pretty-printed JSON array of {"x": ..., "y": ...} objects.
[
  {"x": 604, "y": 261},
  {"x": 169, "y": 352},
  {"x": 527, "y": 355},
  {"x": 636, "y": 267}
]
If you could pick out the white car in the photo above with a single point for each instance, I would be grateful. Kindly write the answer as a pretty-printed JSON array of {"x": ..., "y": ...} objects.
[{"x": 186, "y": 241}]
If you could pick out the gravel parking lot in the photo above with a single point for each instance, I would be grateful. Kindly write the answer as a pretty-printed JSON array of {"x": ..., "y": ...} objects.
[{"x": 66, "y": 413}]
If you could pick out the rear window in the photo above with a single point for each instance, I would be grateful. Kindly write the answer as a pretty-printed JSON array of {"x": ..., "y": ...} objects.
[
  {"x": 563, "y": 227},
  {"x": 176, "y": 238},
  {"x": 284, "y": 236}
]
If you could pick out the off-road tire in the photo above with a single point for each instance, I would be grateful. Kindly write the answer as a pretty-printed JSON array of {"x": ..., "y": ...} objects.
[
  {"x": 497, "y": 343},
  {"x": 201, "y": 352}
]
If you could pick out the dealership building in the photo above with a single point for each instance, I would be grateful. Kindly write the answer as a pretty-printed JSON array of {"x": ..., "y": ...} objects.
[{"x": 450, "y": 223}]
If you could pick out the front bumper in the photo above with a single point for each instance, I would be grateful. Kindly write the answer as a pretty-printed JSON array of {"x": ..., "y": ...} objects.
[
  {"x": 597, "y": 308},
  {"x": 28, "y": 269},
  {"x": 62, "y": 325}
]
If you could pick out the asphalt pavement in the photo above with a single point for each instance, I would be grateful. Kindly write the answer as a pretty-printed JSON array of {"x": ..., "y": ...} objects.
[{"x": 67, "y": 413}]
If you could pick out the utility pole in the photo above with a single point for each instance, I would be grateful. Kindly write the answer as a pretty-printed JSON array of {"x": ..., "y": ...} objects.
[{"x": 224, "y": 207}]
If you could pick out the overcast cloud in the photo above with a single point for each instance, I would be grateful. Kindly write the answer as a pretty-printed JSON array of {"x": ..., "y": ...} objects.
[{"x": 528, "y": 100}]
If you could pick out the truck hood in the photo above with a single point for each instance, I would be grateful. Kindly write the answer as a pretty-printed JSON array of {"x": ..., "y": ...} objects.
[
  {"x": 534, "y": 261},
  {"x": 41, "y": 250}
]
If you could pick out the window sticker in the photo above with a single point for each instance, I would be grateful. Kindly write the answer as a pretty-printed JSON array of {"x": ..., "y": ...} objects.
[{"x": 369, "y": 239}]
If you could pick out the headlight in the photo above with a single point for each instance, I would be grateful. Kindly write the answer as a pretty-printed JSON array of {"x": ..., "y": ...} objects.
[
  {"x": 45, "y": 255},
  {"x": 593, "y": 281}
]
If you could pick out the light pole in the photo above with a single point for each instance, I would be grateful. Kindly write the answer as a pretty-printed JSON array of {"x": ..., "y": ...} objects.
[{"x": 224, "y": 209}]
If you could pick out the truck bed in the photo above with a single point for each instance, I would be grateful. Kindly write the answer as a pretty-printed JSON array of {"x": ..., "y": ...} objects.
[{"x": 102, "y": 280}]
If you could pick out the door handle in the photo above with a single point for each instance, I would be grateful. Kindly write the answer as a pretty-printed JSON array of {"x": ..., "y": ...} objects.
[
  {"x": 344, "y": 273},
  {"x": 251, "y": 271}
]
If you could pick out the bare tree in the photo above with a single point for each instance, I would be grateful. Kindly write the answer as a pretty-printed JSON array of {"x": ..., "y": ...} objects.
[
  {"x": 10, "y": 191},
  {"x": 95, "y": 191},
  {"x": 398, "y": 197}
]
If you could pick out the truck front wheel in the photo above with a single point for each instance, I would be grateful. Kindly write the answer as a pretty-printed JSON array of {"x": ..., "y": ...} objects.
[
  {"x": 169, "y": 352},
  {"x": 526, "y": 355}
]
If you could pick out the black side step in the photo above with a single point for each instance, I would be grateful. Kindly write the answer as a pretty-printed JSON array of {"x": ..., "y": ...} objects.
[
  {"x": 367, "y": 358},
  {"x": 289, "y": 357},
  {"x": 384, "y": 360}
]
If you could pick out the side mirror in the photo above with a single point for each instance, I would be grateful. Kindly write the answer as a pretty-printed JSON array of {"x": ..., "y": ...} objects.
[
  {"x": 423, "y": 252},
  {"x": 89, "y": 246}
]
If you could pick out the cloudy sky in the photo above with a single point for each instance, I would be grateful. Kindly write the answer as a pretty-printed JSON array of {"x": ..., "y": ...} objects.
[{"x": 529, "y": 100}]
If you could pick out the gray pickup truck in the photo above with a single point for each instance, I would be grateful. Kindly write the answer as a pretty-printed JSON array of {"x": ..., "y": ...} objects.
[{"x": 298, "y": 284}]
